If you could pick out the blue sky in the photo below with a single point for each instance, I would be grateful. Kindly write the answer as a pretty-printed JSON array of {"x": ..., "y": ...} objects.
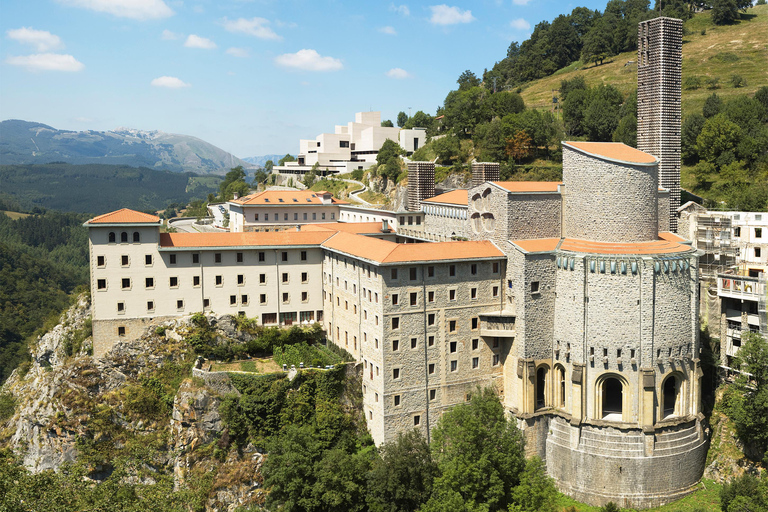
[{"x": 252, "y": 77}]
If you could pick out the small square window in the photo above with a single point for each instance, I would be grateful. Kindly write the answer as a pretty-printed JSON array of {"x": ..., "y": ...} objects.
[
  {"x": 395, "y": 299},
  {"x": 534, "y": 287},
  {"x": 475, "y": 362},
  {"x": 217, "y": 257},
  {"x": 180, "y": 304},
  {"x": 431, "y": 319},
  {"x": 121, "y": 307},
  {"x": 304, "y": 296},
  {"x": 124, "y": 260},
  {"x": 285, "y": 297},
  {"x": 174, "y": 282},
  {"x": 126, "y": 283},
  {"x": 206, "y": 303},
  {"x": 149, "y": 282},
  {"x": 172, "y": 259},
  {"x": 285, "y": 277},
  {"x": 416, "y": 420},
  {"x": 101, "y": 284},
  {"x": 219, "y": 281},
  {"x": 495, "y": 291},
  {"x": 396, "y": 373},
  {"x": 239, "y": 257},
  {"x": 262, "y": 278},
  {"x": 263, "y": 298},
  {"x": 147, "y": 259},
  {"x": 232, "y": 300},
  {"x": 758, "y": 232},
  {"x": 101, "y": 261},
  {"x": 240, "y": 279},
  {"x": 195, "y": 280},
  {"x": 262, "y": 256},
  {"x": 121, "y": 331},
  {"x": 244, "y": 300},
  {"x": 150, "y": 305},
  {"x": 284, "y": 256},
  {"x": 454, "y": 365},
  {"x": 396, "y": 400}
]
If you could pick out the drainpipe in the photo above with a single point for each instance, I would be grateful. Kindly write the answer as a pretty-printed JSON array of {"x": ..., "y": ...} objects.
[{"x": 426, "y": 363}]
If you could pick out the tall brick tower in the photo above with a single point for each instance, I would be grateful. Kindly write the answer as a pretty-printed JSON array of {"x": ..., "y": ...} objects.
[
  {"x": 421, "y": 184},
  {"x": 659, "y": 68},
  {"x": 485, "y": 171}
]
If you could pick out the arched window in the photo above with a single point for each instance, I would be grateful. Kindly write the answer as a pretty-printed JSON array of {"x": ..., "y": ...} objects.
[
  {"x": 613, "y": 399},
  {"x": 541, "y": 385},
  {"x": 136, "y": 237},
  {"x": 112, "y": 237},
  {"x": 123, "y": 237},
  {"x": 669, "y": 397},
  {"x": 561, "y": 387}
]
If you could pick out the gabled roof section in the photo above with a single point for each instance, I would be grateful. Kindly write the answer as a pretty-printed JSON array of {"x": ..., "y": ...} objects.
[
  {"x": 382, "y": 251},
  {"x": 250, "y": 239},
  {"x": 361, "y": 228},
  {"x": 668, "y": 243},
  {"x": 528, "y": 186},
  {"x": 615, "y": 151},
  {"x": 125, "y": 216},
  {"x": 537, "y": 244},
  {"x": 455, "y": 197},
  {"x": 285, "y": 197}
]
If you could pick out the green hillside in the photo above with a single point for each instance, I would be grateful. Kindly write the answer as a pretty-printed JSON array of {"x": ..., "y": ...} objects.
[{"x": 709, "y": 51}]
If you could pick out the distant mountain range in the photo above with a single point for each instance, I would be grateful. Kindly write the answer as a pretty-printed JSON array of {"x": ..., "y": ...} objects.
[
  {"x": 261, "y": 160},
  {"x": 24, "y": 142}
]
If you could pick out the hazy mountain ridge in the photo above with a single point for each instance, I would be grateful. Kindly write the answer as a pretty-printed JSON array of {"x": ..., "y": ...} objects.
[
  {"x": 262, "y": 160},
  {"x": 24, "y": 142}
]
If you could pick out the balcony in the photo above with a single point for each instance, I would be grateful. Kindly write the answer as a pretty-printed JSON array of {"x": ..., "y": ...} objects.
[
  {"x": 498, "y": 324},
  {"x": 737, "y": 287}
]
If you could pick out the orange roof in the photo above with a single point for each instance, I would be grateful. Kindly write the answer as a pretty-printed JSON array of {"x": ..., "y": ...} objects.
[
  {"x": 671, "y": 237},
  {"x": 652, "y": 247},
  {"x": 348, "y": 227},
  {"x": 273, "y": 238},
  {"x": 285, "y": 197},
  {"x": 383, "y": 251},
  {"x": 529, "y": 186},
  {"x": 614, "y": 151},
  {"x": 458, "y": 197},
  {"x": 537, "y": 244},
  {"x": 125, "y": 216}
]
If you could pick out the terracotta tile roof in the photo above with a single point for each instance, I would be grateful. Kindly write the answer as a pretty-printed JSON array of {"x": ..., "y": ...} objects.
[
  {"x": 383, "y": 251},
  {"x": 537, "y": 244},
  {"x": 284, "y": 198},
  {"x": 614, "y": 151},
  {"x": 529, "y": 186},
  {"x": 255, "y": 239},
  {"x": 652, "y": 247},
  {"x": 671, "y": 237},
  {"x": 458, "y": 197},
  {"x": 348, "y": 227},
  {"x": 125, "y": 216}
]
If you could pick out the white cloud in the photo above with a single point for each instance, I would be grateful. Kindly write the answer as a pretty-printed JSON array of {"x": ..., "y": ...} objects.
[
  {"x": 46, "y": 62},
  {"x": 520, "y": 2},
  {"x": 238, "y": 52},
  {"x": 170, "y": 36},
  {"x": 388, "y": 30},
  {"x": 194, "y": 41},
  {"x": 41, "y": 39},
  {"x": 444, "y": 15},
  {"x": 81, "y": 119},
  {"x": 403, "y": 10},
  {"x": 286, "y": 24},
  {"x": 520, "y": 24},
  {"x": 134, "y": 9},
  {"x": 256, "y": 27},
  {"x": 308, "y": 60},
  {"x": 171, "y": 82},
  {"x": 398, "y": 73}
]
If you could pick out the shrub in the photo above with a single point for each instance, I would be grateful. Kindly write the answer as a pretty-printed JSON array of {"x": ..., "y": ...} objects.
[
  {"x": 712, "y": 83},
  {"x": 692, "y": 83},
  {"x": 738, "y": 81},
  {"x": 7, "y": 406}
]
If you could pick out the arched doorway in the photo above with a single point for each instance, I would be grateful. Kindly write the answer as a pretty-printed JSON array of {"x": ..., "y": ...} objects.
[
  {"x": 541, "y": 383},
  {"x": 612, "y": 399},
  {"x": 669, "y": 397}
]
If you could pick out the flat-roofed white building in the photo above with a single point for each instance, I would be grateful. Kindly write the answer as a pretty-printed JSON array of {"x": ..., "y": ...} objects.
[{"x": 275, "y": 210}]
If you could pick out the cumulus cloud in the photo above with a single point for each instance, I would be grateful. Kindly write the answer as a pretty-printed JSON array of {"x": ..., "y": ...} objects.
[
  {"x": 520, "y": 2},
  {"x": 256, "y": 27},
  {"x": 445, "y": 15},
  {"x": 238, "y": 52},
  {"x": 398, "y": 73},
  {"x": 170, "y": 36},
  {"x": 402, "y": 10},
  {"x": 134, "y": 9},
  {"x": 194, "y": 41},
  {"x": 46, "y": 62},
  {"x": 170, "y": 82},
  {"x": 308, "y": 60},
  {"x": 390, "y": 31},
  {"x": 41, "y": 39},
  {"x": 520, "y": 24}
]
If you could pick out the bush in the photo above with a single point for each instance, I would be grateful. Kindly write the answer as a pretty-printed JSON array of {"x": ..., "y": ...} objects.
[
  {"x": 712, "y": 83},
  {"x": 7, "y": 406},
  {"x": 692, "y": 83},
  {"x": 738, "y": 81}
]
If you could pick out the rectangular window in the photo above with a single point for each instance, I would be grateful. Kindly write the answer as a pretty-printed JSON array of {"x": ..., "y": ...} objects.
[
  {"x": 303, "y": 255},
  {"x": 430, "y": 341},
  {"x": 322, "y": 216},
  {"x": 285, "y": 298},
  {"x": 414, "y": 342},
  {"x": 451, "y": 294},
  {"x": 475, "y": 362},
  {"x": 495, "y": 267},
  {"x": 121, "y": 331},
  {"x": 101, "y": 261},
  {"x": 452, "y": 270},
  {"x": 412, "y": 273},
  {"x": 431, "y": 368},
  {"x": 430, "y": 271},
  {"x": 304, "y": 277},
  {"x": 284, "y": 256},
  {"x": 195, "y": 258},
  {"x": 149, "y": 282},
  {"x": 240, "y": 279},
  {"x": 333, "y": 216},
  {"x": 758, "y": 252},
  {"x": 495, "y": 360},
  {"x": 495, "y": 291},
  {"x": 473, "y": 269},
  {"x": 121, "y": 307},
  {"x": 395, "y": 345},
  {"x": 262, "y": 256},
  {"x": 217, "y": 257},
  {"x": 305, "y": 215},
  {"x": 206, "y": 303},
  {"x": 534, "y": 287},
  {"x": 124, "y": 260},
  {"x": 454, "y": 365},
  {"x": 148, "y": 259},
  {"x": 262, "y": 278},
  {"x": 126, "y": 282},
  {"x": 263, "y": 298},
  {"x": 376, "y": 297},
  {"x": 414, "y": 298},
  {"x": 239, "y": 257},
  {"x": 475, "y": 322},
  {"x": 266, "y": 216},
  {"x": 180, "y": 304},
  {"x": 195, "y": 280},
  {"x": 758, "y": 232},
  {"x": 285, "y": 277},
  {"x": 295, "y": 216},
  {"x": 431, "y": 319},
  {"x": 495, "y": 342},
  {"x": 432, "y": 394},
  {"x": 473, "y": 293},
  {"x": 174, "y": 282},
  {"x": 244, "y": 300},
  {"x": 396, "y": 373},
  {"x": 452, "y": 347},
  {"x": 101, "y": 284},
  {"x": 232, "y": 300},
  {"x": 219, "y": 281},
  {"x": 150, "y": 305},
  {"x": 475, "y": 344},
  {"x": 172, "y": 259},
  {"x": 737, "y": 231},
  {"x": 393, "y": 273},
  {"x": 452, "y": 326},
  {"x": 395, "y": 299},
  {"x": 416, "y": 420},
  {"x": 285, "y": 216},
  {"x": 395, "y": 322},
  {"x": 396, "y": 400}
]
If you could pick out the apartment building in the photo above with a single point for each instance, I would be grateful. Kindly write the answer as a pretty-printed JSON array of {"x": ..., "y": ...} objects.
[{"x": 276, "y": 210}]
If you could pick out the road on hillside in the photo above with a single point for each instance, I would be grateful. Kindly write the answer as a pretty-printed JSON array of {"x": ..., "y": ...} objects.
[{"x": 359, "y": 191}]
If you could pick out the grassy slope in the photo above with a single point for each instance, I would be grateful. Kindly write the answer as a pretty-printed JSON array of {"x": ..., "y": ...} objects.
[{"x": 747, "y": 39}]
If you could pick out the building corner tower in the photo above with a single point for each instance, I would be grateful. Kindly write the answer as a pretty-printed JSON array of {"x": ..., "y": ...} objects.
[{"x": 659, "y": 79}]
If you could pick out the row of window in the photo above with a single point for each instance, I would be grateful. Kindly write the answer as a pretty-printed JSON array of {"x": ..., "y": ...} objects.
[
  {"x": 737, "y": 232},
  {"x": 413, "y": 274},
  {"x": 124, "y": 237},
  {"x": 413, "y": 297},
  {"x": 452, "y": 346},
  {"x": 453, "y": 366},
  {"x": 234, "y": 300},
  {"x": 125, "y": 260},
  {"x": 173, "y": 281},
  {"x": 276, "y": 216}
]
